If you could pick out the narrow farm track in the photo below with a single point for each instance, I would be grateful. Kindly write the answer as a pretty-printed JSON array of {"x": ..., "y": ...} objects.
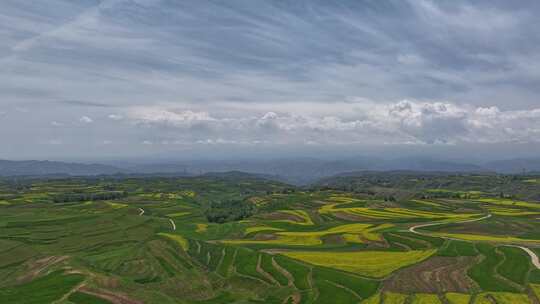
[
  {"x": 352, "y": 292},
  {"x": 265, "y": 274},
  {"x": 534, "y": 258},
  {"x": 73, "y": 290},
  {"x": 141, "y": 211},
  {"x": 413, "y": 228},
  {"x": 284, "y": 271},
  {"x": 172, "y": 224}
]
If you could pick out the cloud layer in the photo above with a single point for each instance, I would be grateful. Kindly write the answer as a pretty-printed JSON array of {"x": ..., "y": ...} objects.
[
  {"x": 404, "y": 122},
  {"x": 121, "y": 77}
]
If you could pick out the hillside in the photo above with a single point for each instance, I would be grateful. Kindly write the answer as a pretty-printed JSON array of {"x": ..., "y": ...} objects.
[{"x": 235, "y": 238}]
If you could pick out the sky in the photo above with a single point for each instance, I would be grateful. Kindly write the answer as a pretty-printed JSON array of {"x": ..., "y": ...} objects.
[{"x": 115, "y": 79}]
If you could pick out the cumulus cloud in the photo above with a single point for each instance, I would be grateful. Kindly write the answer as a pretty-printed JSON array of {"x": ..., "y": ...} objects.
[
  {"x": 115, "y": 117},
  {"x": 154, "y": 115},
  {"x": 401, "y": 122},
  {"x": 86, "y": 119},
  {"x": 429, "y": 122}
]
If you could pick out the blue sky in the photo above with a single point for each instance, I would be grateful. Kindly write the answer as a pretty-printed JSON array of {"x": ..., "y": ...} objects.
[{"x": 135, "y": 78}]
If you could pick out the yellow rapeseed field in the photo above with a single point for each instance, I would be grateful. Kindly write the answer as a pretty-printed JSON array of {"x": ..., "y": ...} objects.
[
  {"x": 353, "y": 233},
  {"x": 425, "y": 298},
  {"x": 508, "y": 202},
  {"x": 369, "y": 263},
  {"x": 253, "y": 229},
  {"x": 188, "y": 193},
  {"x": 391, "y": 213},
  {"x": 536, "y": 289},
  {"x": 496, "y": 210},
  {"x": 503, "y": 298},
  {"x": 177, "y": 238},
  {"x": 116, "y": 205},
  {"x": 178, "y": 214},
  {"x": 457, "y": 298},
  {"x": 484, "y": 238},
  {"x": 426, "y": 202},
  {"x": 201, "y": 228},
  {"x": 299, "y": 213},
  {"x": 394, "y": 298},
  {"x": 343, "y": 199}
]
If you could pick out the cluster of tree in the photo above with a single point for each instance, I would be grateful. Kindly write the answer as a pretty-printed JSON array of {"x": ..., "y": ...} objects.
[
  {"x": 82, "y": 197},
  {"x": 390, "y": 198},
  {"x": 16, "y": 184},
  {"x": 455, "y": 195},
  {"x": 229, "y": 210},
  {"x": 281, "y": 191}
]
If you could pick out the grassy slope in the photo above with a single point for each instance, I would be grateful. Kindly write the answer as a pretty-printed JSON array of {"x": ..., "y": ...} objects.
[{"x": 143, "y": 257}]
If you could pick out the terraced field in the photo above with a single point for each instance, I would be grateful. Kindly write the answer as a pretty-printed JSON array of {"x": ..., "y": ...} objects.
[{"x": 250, "y": 240}]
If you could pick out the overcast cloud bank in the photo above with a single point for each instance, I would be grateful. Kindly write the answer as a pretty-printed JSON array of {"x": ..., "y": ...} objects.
[{"x": 144, "y": 77}]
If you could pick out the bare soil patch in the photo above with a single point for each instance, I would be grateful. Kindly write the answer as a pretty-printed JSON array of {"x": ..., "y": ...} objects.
[
  {"x": 36, "y": 267},
  {"x": 342, "y": 215},
  {"x": 281, "y": 216},
  {"x": 115, "y": 298},
  {"x": 334, "y": 239},
  {"x": 264, "y": 237},
  {"x": 435, "y": 275}
]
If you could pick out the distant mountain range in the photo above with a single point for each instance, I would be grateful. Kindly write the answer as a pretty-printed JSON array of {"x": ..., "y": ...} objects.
[
  {"x": 297, "y": 171},
  {"x": 518, "y": 165},
  {"x": 40, "y": 168}
]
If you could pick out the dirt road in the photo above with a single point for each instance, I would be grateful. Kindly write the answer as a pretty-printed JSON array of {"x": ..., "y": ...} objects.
[{"x": 534, "y": 258}]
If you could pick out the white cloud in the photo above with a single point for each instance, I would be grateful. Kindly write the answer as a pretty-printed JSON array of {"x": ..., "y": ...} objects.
[
  {"x": 56, "y": 124},
  {"x": 489, "y": 111},
  {"x": 86, "y": 119},
  {"x": 410, "y": 59},
  {"x": 115, "y": 117},
  {"x": 276, "y": 80},
  {"x": 364, "y": 121},
  {"x": 169, "y": 117}
]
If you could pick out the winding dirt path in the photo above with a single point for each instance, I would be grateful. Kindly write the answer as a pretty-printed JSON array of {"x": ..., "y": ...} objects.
[
  {"x": 265, "y": 274},
  {"x": 172, "y": 224},
  {"x": 141, "y": 211},
  {"x": 284, "y": 272},
  {"x": 534, "y": 258},
  {"x": 413, "y": 228}
]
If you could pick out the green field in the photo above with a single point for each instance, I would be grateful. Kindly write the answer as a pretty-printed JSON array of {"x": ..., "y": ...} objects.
[{"x": 231, "y": 239}]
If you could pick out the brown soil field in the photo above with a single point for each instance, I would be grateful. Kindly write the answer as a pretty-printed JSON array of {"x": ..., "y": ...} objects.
[
  {"x": 282, "y": 216},
  {"x": 435, "y": 275}
]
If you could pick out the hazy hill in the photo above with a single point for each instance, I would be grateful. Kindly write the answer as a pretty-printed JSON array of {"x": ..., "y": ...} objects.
[
  {"x": 306, "y": 170},
  {"x": 293, "y": 170},
  {"x": 514, "y": 165},
  {"x": 35, "y": 167}
]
